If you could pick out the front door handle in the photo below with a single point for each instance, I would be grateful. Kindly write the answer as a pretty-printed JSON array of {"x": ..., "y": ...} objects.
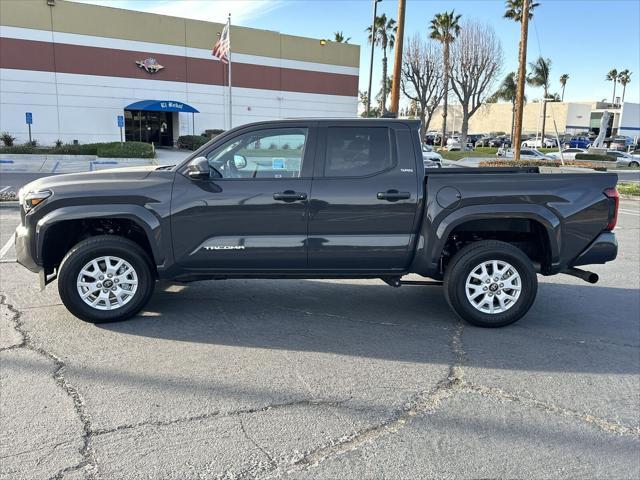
[
  {"x": 393, "y": 195},
  {"x": 289, "y": 196}
]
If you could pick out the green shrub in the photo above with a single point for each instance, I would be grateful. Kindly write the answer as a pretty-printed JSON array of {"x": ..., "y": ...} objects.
[
  {"x": 78, "y": 149},
  {"x": 594, "y": 158},
  {"x": 629, "y": 189},
  {"x": 114, "y": 149},
  {"x": 20, "y": 149},
  {"x": 212, "y": 133},
  {"x": 125, "y": 150},
  {"x": 191, "y": 142},
  {"x": 519, "y": 163},
  {"x": 7, "y": 139}
]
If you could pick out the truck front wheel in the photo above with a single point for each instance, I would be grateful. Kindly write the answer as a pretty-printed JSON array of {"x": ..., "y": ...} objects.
[
  {"x": 105, "y": 279},
  {"x": 490, "y": 283}
]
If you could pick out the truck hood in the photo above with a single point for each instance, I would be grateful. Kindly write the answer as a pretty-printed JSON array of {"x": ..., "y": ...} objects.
[{"x": 88, "y": 180}]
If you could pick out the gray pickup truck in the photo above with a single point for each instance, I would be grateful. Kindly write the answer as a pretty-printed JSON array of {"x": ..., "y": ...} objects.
[{"x": 315, "y": 199}]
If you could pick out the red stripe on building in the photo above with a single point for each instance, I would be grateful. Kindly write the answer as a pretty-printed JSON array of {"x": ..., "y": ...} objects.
[{"x": 83, "y": 60}]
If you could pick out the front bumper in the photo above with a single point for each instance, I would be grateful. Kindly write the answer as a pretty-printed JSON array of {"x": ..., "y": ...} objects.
[
  {"x": 602, "y": 250},
  {"x": 23, "y": 249}
]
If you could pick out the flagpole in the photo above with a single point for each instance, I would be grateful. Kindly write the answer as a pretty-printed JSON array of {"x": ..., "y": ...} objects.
[{"x": 229, "y": 56}]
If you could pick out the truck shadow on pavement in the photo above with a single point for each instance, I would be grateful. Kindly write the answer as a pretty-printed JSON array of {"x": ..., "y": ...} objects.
[{"x": 570, "y": 327}]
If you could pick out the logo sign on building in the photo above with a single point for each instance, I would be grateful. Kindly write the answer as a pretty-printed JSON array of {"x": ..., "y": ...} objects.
[
  {"x": 28, "y": 118},
  {"x": 120, "y": 121},
  {"x": 151, "y": 65},
  {"x": 171, "y": 105}
]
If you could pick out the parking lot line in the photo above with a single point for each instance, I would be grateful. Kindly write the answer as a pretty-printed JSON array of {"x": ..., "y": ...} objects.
[
  {"x": 630, "y": 212},
  {"x": 7, "y": 246},
  {"x": 2, "y": 189}
]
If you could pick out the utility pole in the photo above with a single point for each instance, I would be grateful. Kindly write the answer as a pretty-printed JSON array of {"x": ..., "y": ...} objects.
[
  {"x": 397, "y": 62},
  {"x": 517, "y": 134},
  {"x": 373, "y": 45}
]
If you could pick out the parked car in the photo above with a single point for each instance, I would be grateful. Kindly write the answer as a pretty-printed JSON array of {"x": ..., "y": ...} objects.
[
  {"x": 578, "y": 142},
  {"x": 525, "y": 154},
  {"x": 499, "y": 142},
  {"x": 567, "y": 153},
  {"x": 430, "y": 158},
  {"x": 359, "y": 205},
  {"x": 621, "y": 143},
  {"x": 547, "y": 142},
  {"x": 624, "y": 159},
  {"x": 483, "y": 141}
]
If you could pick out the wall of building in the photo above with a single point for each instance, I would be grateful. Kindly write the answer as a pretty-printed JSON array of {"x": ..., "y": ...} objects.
[
  {"x": 497, "y": 117},
  {"x": 630, "y": 120},
  {"x": 73, "y": 66}
]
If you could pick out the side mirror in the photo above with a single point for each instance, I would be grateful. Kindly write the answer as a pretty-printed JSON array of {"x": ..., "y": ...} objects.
[
  {"x": 199, "y": 168},
  {"x": 239, "y": 161}
]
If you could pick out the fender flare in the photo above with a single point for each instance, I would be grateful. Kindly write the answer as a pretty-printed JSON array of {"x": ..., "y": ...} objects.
[
  {"x": 550, "y": 222},
  {"x": 139, "y": 215}
]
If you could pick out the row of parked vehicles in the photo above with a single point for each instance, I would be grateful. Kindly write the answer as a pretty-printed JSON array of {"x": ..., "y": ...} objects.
[
  {"x": 622, "y": 159},
  {"x": 501, "y": 140}
]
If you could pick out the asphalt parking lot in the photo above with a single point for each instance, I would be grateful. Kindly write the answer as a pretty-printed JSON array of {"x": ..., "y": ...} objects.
[{"x": 323, "y": 379}]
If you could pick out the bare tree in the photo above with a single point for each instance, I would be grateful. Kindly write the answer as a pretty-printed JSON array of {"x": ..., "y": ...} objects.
[
  {"x": 476, "y": 63},
  {"x": 421, "y": 79}
]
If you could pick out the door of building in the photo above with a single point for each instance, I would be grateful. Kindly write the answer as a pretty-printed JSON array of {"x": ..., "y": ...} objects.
[{"x": 149, "y": 126}]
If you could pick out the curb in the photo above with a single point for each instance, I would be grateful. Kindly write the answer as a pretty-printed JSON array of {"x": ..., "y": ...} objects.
[{"x": 10, "y": 204}]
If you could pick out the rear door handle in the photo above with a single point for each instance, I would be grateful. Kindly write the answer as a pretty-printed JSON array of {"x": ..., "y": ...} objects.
[
  {"x": 393, "y": 195},
  {"x": 289, "y": 196}
]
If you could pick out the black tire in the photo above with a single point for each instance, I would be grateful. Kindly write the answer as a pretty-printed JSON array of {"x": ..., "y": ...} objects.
[
  {"x": 96, "y": 247},
  {"x": 634, "y": 164},
  {"x": 467, "y": 260}
]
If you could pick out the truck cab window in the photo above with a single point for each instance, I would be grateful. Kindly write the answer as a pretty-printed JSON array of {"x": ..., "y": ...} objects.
[
  {"x": 355, "y": 152},
  {"x": 269, "y": 153}
]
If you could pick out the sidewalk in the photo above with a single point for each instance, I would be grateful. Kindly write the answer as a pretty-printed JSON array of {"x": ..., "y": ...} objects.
[{"x": 54, "y": 164}]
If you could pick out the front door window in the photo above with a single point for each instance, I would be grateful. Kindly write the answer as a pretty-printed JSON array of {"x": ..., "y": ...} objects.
[{"x": 270, "y": 153}]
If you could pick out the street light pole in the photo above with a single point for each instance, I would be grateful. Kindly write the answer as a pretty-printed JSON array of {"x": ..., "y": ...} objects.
[
  {"x": 397, "y": 62},
  {"x": 373, "y": 44},
  {"x": 517, "y": 134}
]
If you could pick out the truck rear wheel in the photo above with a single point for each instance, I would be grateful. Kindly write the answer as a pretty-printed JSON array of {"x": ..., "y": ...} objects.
[
  {"x": 105, "y": 279},
  {"x": 490, "y": 283}
]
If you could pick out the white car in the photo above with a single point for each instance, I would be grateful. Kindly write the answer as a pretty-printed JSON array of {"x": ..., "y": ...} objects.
[
  {"x": 430, "y": 158},
  {"x": 624, "y": 159},
  {"x": 525, "y": 154},
  {"x": 567, "y": 153},
  {"x": 540, "y": 143}
]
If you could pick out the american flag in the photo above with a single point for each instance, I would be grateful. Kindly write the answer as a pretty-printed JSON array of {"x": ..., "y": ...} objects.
[{"x": 222, "y": 46}]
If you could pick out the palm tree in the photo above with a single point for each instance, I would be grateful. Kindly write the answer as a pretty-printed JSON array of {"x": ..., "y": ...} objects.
[
  {"x": 612, "y": 76},
  {"x": 514, "y": 10},
  {"x": 445, "y": 27},
  {"x": 384, "y": 36},
  {"x": 624, "y": 77},
  {"x": 339, "y": 37},
  {"x": 539, "y": 77},
  {"x": 563, "y": 81},
  {"x": 507, "y": 91}
]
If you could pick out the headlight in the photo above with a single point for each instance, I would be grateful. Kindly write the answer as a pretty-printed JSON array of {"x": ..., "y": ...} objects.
[{"x": 30, "y": 200}]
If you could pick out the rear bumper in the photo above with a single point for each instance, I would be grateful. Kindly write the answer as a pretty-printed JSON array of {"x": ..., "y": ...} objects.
[
  {"x": 23, "y": 249},
  {"x": 602, "y": 250}
]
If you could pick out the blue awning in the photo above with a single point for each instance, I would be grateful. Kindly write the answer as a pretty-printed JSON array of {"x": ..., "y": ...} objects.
[{"x": 161, "y": 106}]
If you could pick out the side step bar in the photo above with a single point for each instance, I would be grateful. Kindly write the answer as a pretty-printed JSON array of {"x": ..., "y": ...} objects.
[{"x": 397, "y": 282}]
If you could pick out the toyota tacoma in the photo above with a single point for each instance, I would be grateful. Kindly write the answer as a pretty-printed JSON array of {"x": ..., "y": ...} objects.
[{"x": 316, "y": 198}]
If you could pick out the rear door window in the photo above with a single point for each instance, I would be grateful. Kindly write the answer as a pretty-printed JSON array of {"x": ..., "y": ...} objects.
[{"x": 357, "y": 151}]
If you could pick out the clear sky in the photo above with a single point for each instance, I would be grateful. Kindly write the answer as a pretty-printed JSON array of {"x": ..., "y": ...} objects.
[{"x": 583, "y": 38}]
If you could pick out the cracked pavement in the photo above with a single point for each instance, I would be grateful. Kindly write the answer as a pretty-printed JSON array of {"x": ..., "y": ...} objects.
[{"x": 323, "y": 379}]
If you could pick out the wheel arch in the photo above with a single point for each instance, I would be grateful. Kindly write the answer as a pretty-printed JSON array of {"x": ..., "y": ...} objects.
[
  {"x": 140, "y": 219},
  {"x": 429, "y": 261}
]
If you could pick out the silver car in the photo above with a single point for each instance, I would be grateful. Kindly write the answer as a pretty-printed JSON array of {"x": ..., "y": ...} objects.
[
  {"x": 430, "y": 158},
  {"x": 624, "y": 159}
]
